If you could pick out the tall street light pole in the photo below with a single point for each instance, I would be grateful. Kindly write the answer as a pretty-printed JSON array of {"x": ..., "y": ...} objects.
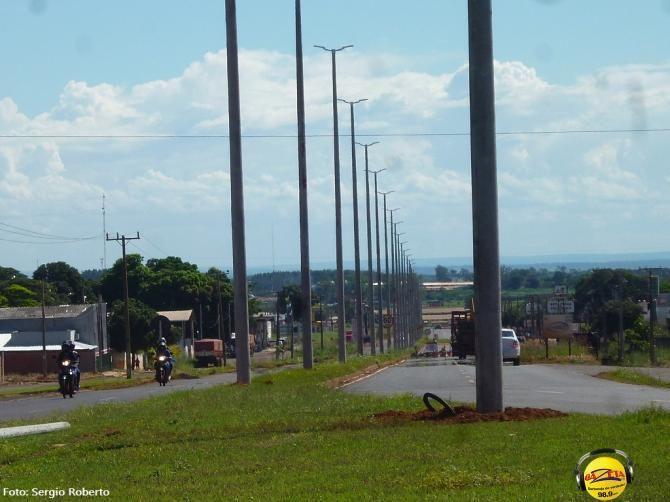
[
  {"x": 392, "y": 284},
  {"x": 358, "y": 328},
  {"x": 369, "y": 232},
  {"x": 242, "y": 362},
  {"x": 307, "y": 356},
  {"x": 386, "y": 253},
  {"x": 485, "y": 209},
  {"x": 379, "y": 272},
  {"x": 341, "y": 342}
]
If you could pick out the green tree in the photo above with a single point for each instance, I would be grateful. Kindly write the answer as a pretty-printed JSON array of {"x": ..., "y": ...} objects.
[
  {"x": 111, "y": 285},
  {"x": 9, "y": 274},
  {"x": 291, "y": 301},
  {"x": 142, "y": 335},
  {"x": 594, "y": 298},
  {"x": 441, "y": 274},
  {"x": 66, "y": 280},
  {"x": 20, "y": 296}
]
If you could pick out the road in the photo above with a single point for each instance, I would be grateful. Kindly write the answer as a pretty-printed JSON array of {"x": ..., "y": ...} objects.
[
  {"x": 568, "y": 388},
  {"x": 55, "y": 406}
]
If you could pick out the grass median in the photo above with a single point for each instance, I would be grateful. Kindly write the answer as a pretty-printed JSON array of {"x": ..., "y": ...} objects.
[
  {"x": 625, "y": 375},
  {"x": 289, "y": 436}
]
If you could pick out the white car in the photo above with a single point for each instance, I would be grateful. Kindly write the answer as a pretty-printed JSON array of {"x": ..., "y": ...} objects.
[{"x": 511, "y": 348}]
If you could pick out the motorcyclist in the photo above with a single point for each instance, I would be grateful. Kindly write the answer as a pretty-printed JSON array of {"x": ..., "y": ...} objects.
[
  {"x": 68, "y": 353},
  {"x": 162, "y": 350}
]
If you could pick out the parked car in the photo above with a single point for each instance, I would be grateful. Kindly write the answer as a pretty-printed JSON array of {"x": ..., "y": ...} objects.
[{"x": 511, "y": 348}]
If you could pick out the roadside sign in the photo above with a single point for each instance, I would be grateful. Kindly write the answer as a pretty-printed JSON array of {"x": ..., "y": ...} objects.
[{"x": 387, "y": 320}]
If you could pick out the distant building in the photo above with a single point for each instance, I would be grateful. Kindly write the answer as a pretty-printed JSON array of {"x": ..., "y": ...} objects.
[{"x": 21, "y": 335}]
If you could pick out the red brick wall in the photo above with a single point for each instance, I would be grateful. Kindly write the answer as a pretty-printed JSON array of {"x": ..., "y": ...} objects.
[{"x": 31, "y": 361}]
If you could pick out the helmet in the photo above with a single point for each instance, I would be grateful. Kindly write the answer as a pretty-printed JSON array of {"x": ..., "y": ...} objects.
[
  {"x": 65, "y": 345},
  {"x": 70, "y": 344},
  {"x": 162, "y": 343}
]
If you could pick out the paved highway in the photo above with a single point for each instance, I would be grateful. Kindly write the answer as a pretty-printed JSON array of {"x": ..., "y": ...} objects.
[
  {"x": 569, "y": 388},
  {"x": 55, "y": 406}
]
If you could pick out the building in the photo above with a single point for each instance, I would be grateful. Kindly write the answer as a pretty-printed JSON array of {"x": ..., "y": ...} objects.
[
  {"x": 181, "y": 319},
  {"x": 21, "y": 335}
]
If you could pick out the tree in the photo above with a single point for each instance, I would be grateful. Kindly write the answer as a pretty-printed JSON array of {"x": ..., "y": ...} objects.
[
  {"x": 291, "y": 301},
  {"x": 8, "y": 274},
  {"x": 20, "y": 296},
  {"x": 594, "y": 295},
  {"x": 111, "y": 285},
  {"x": 441, "y": 274},
  {"x": 142, "y": 336},
  {"x": 66, "y": 280}
]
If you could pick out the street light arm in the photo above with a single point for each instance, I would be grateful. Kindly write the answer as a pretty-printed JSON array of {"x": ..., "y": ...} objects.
[
  {"x": 352, "y": 102},
  {"x": 333, "y": 50},
  {"x": 368, "y": 144}
]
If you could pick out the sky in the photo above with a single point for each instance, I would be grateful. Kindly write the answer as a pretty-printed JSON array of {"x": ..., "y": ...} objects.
[{"x": 124, "y": 68}]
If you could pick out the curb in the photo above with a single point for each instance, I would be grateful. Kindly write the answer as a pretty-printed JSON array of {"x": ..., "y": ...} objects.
[{"x": 25, "y": 430}]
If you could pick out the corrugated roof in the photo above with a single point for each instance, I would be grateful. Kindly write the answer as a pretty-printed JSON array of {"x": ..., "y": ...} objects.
[
  {"x": 51, "y": 312},
  {"x": 30, "y": 348},
  {"x": 176, "y": 315}
]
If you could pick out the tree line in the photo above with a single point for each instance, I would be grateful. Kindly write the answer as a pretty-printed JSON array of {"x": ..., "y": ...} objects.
[{"x": 159, "y": 284}]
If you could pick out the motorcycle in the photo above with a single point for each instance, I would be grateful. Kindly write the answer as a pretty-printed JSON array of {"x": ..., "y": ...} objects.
[
  {"x": 162, "y": 373},
  {"x": 67, "y": 378}
]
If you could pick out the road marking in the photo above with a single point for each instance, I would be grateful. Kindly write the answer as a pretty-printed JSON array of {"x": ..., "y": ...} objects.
[
  {"x": 106, "y": 399},
  {"x": 370, "y": 374},
  {"x": 471, "y": 380},
  {"x": 660, "y": 401},
  {"x": 550, "y": 392}
]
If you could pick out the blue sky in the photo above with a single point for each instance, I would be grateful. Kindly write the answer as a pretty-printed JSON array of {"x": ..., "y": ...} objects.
[{"x": 122, "y": 67}]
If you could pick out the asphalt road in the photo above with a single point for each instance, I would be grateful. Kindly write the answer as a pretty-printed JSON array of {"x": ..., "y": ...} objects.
[
  {"x": 56, "y": 406},
  {"x": 569, "y": 388}
]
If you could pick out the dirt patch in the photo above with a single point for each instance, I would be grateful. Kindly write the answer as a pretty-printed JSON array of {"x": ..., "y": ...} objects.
[
  {"x": 465, "y": 414},
  {"x": 338, "y": 382}
]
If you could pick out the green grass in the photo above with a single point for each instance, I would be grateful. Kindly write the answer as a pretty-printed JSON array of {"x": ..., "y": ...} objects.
[
  {"x": 641, "y": 359},
  {"x": 625, "y": 375},
  {"x": 534, "y": 351},
  {"x": 288, "y": 437}
]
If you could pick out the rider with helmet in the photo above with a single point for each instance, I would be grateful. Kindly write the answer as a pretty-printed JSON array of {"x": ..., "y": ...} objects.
[
  {"x": 68, "y": 353},
  {"x": 162, "y": 350}
]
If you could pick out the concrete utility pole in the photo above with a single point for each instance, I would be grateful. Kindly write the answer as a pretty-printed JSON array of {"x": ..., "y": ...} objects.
[
  {"x": 485, "y": 209},
  {"x": 652, "y": 320},
  {"x": 341, "y": 341},
  {"x": 124, "y": 239},
  {"x": 370, "y": 316},
  {"x": 379, "y": 272},
  {"x": 306, "y": 283},
  {"x": 392, "y": 284},
  {"x": 44, "y": 330},
  {"x": 240, "y": 296},
  {"x": 357, "y": 254},
  {"x": 386, "y": 253}
]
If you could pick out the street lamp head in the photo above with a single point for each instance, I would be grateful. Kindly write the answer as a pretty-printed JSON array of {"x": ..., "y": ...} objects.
[
  {"x": 366, "y": 145},
  {"x": 352, "y": 102},
  {"x": 386, "y": 193},
  {"x": 332, "y": 50}
]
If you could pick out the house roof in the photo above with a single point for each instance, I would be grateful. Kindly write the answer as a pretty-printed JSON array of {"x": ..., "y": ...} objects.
[
  {"x": 176, "y": 315},
  {"x": 51, "y": 312},
  {"x": 30, "y": 348}
]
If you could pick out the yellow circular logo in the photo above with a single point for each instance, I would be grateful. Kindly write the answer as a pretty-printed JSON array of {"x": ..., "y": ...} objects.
[{"x": 605, "y": 478}]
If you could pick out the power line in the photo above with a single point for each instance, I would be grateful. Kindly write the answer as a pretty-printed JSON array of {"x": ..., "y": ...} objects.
[
  {"x": 43, "y": 242},
  {"x": 26, "y": 232},
  {"x": 326, "y": 135},
  {"x": 155, "y": 246}
]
